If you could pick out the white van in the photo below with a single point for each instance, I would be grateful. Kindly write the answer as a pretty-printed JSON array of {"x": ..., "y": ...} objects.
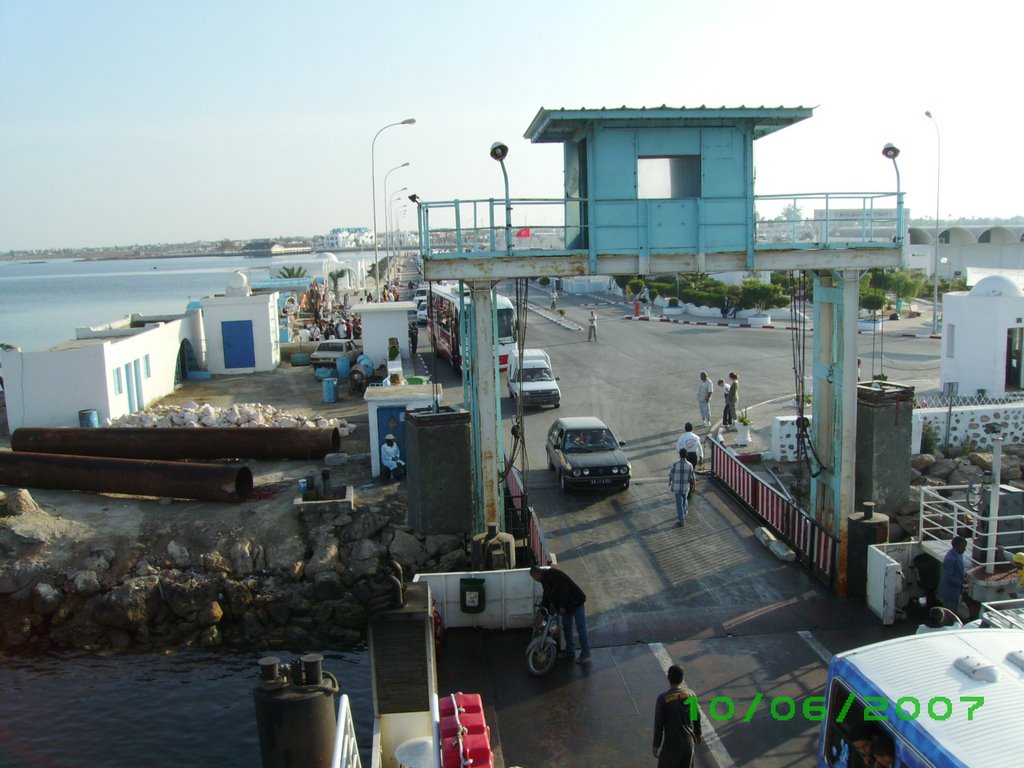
[{"x": 532, "y": 378}]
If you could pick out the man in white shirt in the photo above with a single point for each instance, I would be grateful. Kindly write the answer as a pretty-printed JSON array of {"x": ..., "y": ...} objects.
[
  {"x": 391, "y": 467},
  {"x": 690, "y": 443}
]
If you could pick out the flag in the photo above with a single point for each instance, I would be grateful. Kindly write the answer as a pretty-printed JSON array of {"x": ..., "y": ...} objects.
[{"x": 524, "y": 232}]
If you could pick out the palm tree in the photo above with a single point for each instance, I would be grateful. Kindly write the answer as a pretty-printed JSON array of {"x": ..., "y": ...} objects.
[
  {"x": 287, "y": 272},
  {"x": 335, "y": 276}
]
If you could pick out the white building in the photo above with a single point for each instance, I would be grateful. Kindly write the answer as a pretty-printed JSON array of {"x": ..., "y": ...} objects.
[
  {"x": 113, "y": 370},
  {"x": 983, "y": 337},
  {"x": 124, "y": 366}
]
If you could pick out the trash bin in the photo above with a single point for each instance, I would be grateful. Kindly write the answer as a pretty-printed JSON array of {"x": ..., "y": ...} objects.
[
  {"x": 473, "y": 595},
  {"x": 88, "y": 418}
]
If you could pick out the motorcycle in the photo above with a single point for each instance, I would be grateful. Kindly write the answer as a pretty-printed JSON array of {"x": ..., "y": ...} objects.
[{"x": 542, "y": 652}]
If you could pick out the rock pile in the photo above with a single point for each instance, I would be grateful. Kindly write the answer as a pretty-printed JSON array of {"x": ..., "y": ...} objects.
[
  {"x": 231, "y": 589},
  {"x": 936, "y": 469},
  {"x": 193, "y": 415}
]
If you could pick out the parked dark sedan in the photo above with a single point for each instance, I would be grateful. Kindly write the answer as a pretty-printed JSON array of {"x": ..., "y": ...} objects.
[{"x": 586, "y": 454}]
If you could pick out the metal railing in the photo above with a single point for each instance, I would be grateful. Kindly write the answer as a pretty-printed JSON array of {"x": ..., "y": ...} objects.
[
  {"x": 815, "y": 547},
  {"x": 839, "y": 219},
  {"x": 346, "y": 748},
  {"x": 945, "y": 512}
]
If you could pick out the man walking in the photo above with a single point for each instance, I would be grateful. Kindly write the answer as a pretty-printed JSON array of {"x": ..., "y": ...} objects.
[
  {"x": 704, "y": 391},
  {"x": 554, "y": 299},
  {"x": 689, "y": 443},
  {"x": 592, "y": 330},
  {"x": 564, "y": 595},
  {"x": 414, "y": 337},
  {"x": 681, "y": 482},
  {"x": 676, "y": 730}
]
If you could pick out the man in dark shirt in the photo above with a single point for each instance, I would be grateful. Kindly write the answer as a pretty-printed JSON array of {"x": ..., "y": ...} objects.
[
  {"x": 563, "y": 594},
  {"x": 675, "y": 730}
]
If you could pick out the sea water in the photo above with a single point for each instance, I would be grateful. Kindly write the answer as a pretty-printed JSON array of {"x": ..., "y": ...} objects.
[
  {"x": 176, "y": 709},
  {"x": 42, "y": 302},
  {"x": 158, "y": 710}
]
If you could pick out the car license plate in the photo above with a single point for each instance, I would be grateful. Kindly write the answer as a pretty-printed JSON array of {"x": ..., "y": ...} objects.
[{"x": 601, "y": 481}]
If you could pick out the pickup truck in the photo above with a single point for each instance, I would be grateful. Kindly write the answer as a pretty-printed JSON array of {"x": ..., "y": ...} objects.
[{"x": 531, "y": 378}]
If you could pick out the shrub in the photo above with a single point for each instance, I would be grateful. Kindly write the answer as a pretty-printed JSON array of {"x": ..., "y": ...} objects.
[
  {"x": 673, "y": 302},
  {"x": 545, "y": 281},
  {"x": 929, "y": 440}
]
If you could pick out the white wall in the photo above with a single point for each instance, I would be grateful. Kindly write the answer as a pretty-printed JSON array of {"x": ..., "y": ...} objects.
[
  {"x": 410, "y": 396},
  {"x": 49, "y": 388},
  {"x": 967, "y": 425},
  {"x": 261, "y": 311},
  {"x": 974, "y": 333},
  {"x": 381, "y": 321}
]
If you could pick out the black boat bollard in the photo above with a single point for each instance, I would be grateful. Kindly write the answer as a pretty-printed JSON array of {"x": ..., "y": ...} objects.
[{"x": 295, "y": 712}]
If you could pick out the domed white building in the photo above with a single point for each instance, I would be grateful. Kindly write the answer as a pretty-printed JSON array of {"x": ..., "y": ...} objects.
[{"x": 983, "y": 337}]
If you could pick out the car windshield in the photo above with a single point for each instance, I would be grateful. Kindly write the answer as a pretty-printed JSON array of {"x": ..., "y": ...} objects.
[
  {"x": 537, "y": 374},
  {"x": 585, "y": 440}
]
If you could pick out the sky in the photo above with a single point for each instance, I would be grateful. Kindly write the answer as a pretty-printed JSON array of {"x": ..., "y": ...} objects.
[{"x": 126, "y": 122}]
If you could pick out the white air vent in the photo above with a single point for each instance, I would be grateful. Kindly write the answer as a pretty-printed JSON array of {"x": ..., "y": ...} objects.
[{"x": 977, "y": 669}]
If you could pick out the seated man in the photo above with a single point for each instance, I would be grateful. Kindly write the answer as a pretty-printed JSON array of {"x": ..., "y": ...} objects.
[{"x": 391, "y": 467}]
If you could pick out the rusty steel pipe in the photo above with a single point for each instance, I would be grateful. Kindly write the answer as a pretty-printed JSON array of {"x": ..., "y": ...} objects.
[
  {"x": 181, "y": 480},
  {"x": 181, "y": 443}
]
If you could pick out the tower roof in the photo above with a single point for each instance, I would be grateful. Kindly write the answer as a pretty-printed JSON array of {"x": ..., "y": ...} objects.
[{"x": 560, "y": 125}]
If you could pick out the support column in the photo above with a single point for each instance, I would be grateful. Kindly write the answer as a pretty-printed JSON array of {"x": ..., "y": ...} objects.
[
  {"x": 836, "y": 300},
  {"x": 483, "y": 369}
]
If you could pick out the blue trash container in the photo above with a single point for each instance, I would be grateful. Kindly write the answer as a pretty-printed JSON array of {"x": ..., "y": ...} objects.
[{"x": 330, "y": 387}]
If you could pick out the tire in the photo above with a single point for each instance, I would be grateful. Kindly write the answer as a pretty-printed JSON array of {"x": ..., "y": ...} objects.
[
  {"x": 563, "y": 483},
  {"x": 542, "y": 659}
]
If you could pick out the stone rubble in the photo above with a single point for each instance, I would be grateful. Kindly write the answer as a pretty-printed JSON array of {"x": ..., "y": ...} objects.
[{"x": 191, "y": 415}]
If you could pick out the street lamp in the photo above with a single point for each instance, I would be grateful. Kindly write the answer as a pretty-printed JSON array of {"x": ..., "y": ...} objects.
[
  {"x": 386, "y": 226},
  {"x": 499, "y": 152},
  {"x": 935, "y": 238},
  {"x": 389, "y": 225},
  {"x": 373, "y": 192},
  {"x": 891, "y": 151}
]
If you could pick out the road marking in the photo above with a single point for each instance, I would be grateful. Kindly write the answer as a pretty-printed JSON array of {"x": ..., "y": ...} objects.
[
  {"x": 817, "y": 647},
  {"x": 709, "y": 736}
]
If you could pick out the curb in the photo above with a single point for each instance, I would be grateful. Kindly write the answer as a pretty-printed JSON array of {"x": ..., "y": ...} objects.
[{"x": 647, "y": 318}]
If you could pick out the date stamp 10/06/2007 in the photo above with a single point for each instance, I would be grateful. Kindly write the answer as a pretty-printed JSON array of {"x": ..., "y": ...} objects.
[{"x": 814, "y": 708}]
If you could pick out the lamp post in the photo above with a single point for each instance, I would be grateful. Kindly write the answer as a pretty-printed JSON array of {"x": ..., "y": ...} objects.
[
  {"x": 935, "y": 238},
  {"x": 499, "y": 152},
  {"x": 390, "y": 225},
  {"x": 373, "y": 192},
  {"x": 386, "y": 225}
]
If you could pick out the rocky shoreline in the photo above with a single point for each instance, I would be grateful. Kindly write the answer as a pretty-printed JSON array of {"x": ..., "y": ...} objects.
[
  {"x": 167, "y": 595},
  {"x": 97, "y": 572}
]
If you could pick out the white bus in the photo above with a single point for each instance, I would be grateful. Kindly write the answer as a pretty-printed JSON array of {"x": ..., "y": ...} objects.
[
  {"x": 443, "y": 321},
  {"x": 943, "y": 699}
]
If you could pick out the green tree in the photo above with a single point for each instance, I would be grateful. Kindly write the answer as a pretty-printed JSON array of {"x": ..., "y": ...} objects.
[
  {"x": 872, "y": 299},
  {"x": 905, "y": 285},
  {"x": 286, "y": 272},
  {"x": 762, "y": 296}
]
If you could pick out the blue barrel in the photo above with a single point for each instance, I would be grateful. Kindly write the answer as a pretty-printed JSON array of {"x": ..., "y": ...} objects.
[
  {"x": 88, "y": 418},
  {"x": 330, "y": 390},
  {"x": 343, "y": 366},
  {"x": 325, "y": 373}
]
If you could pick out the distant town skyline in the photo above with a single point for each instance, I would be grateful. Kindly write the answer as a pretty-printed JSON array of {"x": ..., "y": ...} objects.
[{"x": 130, "y": 122}]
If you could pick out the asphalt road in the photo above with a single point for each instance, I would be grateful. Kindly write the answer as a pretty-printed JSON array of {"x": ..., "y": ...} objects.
[{"x": 707, "y": 596}]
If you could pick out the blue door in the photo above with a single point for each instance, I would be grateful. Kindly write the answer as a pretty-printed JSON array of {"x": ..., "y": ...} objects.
[
  {"x": 391, "y": 420},
  {"x": 239, "y": 348}
]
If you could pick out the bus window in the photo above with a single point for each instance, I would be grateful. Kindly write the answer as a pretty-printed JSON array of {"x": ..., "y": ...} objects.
[
  {"x": 506, "y": 324},
  {"x": 850, "y": 739}
]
